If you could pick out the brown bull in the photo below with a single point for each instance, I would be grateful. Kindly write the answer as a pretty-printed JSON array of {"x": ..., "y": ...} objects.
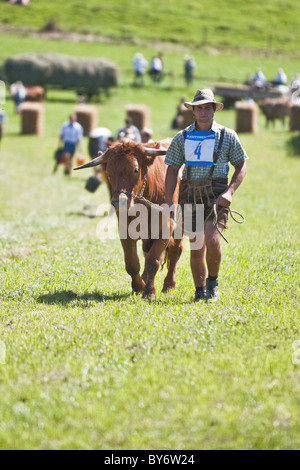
[{"x": 136, "y": 174}]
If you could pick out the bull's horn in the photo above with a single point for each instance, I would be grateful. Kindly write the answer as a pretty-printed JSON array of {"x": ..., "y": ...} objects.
[
  {"x": 160, "y": 151},
  {"x": 96, "y": 161}
]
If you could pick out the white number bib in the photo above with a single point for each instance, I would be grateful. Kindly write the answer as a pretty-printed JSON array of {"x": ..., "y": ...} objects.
[{"x": 199, "y": 148}]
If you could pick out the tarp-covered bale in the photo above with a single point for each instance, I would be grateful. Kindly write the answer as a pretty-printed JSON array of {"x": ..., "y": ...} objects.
[
  {"x": 59, "y": 70},
  {"x": 87, "y": 116},
  {"x": 32, "y": 118},
  {"x": 246, "y": 116},
  {"x": 140, "y": 115}
]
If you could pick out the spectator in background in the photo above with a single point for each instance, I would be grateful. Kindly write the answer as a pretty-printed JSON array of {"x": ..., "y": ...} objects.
[
  {"x": 18, "y": 92},
  {"x": 129, "y": 132},
  {"x": 259, "y": 79},
  {"x": 2, "y": 122},
  {"x": 295, "y": 89},
  {"x": 139, "y": 65},
  {"x": 180, "y": 108},
  {"x": 71, "y": 135},
  {"x": 189, "y": 68},
  {"x": 295, "y": 83},
  {"x": 156, "y": 68},
  {"x": 146, "y": 134},
  {"x": 98, "y": 139},
  {"x": 281, "y": 78}
]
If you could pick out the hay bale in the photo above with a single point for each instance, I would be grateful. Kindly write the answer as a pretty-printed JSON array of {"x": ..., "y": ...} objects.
[
  {"x": 246, "y": 116},
  {"x": 185, "y": 118},
  {"x": 140, "y": 114},
  {"x": 32, "y": 118},
  {"x": 87, "y": 116},
  {"x": 295, "y": 117},
  {"x": 83, "y": 74}
]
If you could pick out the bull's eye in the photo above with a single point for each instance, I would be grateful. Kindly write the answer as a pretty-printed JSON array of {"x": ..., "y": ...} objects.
[{"x": 136, "y": 170}]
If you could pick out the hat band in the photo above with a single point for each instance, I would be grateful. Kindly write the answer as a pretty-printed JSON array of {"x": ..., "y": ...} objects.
[{"x": 202, "y": 98}]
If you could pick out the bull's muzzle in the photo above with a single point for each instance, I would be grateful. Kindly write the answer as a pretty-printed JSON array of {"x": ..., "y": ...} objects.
[{"x": 121, "y": 201}]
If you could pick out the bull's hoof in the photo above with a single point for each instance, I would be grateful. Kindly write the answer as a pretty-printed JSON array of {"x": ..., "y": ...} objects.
[
  {"x": 149, "y": 295},
  {"x": 168, "y": 287}
]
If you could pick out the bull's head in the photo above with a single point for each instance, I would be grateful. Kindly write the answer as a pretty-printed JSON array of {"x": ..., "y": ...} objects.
[
  {"x": 125, "y": 165},
  {"x": 103, "y": 156}
]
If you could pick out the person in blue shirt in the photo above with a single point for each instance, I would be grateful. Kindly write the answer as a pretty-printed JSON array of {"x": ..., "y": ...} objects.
[{"x": 71, "y": 135}]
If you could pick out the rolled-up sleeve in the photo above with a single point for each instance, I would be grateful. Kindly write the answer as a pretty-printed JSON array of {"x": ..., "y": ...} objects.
[
  {"x": 175, "y": 153},
  {"x": 237, "y": 153}
]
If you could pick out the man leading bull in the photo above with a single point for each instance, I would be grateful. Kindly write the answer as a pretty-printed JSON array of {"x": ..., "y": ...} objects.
[{"x": 206, "y": 149}]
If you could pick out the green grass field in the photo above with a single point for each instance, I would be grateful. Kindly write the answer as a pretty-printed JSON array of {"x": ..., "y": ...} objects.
[
  {"x": 86, "y": 365},
  {"x": 236, "y": 24}
]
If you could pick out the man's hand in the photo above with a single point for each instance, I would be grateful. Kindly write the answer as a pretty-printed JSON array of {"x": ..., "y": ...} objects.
[{"x": 224, "y": 199}]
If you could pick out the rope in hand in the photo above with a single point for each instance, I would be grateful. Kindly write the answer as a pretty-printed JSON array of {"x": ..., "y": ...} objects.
[{"x": 231, "y": 211}]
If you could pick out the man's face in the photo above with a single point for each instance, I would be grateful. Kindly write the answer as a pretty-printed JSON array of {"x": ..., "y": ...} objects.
[{"x": 204, "y": 113}]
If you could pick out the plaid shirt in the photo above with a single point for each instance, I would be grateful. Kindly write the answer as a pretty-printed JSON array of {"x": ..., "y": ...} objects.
[{"x": 231, "y": 152}]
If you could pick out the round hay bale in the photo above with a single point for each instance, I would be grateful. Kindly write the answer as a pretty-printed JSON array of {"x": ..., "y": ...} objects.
[
  {"x": 87, "y": 116},
  {"x": 32, "y": 118},
  {"x": 140, "y": 115},
  {"x": 246, "y": 116},
  {"x": 294, "y": 123}
]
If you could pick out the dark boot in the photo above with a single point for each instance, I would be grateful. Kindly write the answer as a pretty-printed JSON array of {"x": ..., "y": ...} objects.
[
  {"x": 212, "y": 290},
  {"x": 200, "y": 293}
]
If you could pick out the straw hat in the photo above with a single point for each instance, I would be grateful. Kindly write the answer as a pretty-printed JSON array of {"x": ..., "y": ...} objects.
[{"x": 203, "y": 97}]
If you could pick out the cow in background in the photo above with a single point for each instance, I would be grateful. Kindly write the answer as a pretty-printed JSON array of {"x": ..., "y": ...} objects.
[
  {"x": 20, "y": 93},
  {"x": 275, "y": 108},
  {"x": 136, "y": 174}
]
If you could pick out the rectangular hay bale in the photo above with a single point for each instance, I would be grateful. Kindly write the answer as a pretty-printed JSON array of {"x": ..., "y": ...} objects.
[
  {"x": 246, "y": 116},
  {"x": 295, "y": 117},
  {"x": 87, "y": 116},
  {"x": 32, "y": 118},
  {"x": 140, "y": 115}
]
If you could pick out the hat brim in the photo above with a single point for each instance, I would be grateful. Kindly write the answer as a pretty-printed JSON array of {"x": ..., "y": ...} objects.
[{"x": 189, "y": 105}]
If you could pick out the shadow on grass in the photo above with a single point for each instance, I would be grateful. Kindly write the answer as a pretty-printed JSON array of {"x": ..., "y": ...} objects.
[
  {"x": 293, "y": 145},
  {"x": 67, "y": 296},
  {"x": 82, "y": 214}
]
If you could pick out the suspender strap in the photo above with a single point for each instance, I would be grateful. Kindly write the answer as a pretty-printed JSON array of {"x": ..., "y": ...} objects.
[{"x": 218, "y": 151}]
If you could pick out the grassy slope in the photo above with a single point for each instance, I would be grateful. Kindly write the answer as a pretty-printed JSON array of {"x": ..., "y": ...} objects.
[{"x": 228, "y": 23}]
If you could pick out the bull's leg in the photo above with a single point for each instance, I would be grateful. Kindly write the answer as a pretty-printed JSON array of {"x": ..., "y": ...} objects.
[
  {"x": 152, "y": 263},
  {"x": 174, "y": 252},
  {"x": 132, "y": 264}
]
